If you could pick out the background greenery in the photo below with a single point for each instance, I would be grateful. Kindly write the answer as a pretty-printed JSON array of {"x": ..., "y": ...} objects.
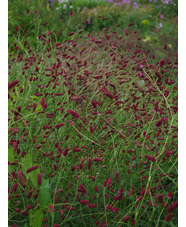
[{"x": 157, "y": 22}]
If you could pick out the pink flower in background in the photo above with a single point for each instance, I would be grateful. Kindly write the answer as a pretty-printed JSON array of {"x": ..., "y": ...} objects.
[
  {"x": 166, "y": 1},
  {"x": 126, "y": 1},
  {"x": 95, "y": 11},
  {"x": 161, "y": 16},
  {"x": 135, "y": 5},
  {"x": 88, "y": 19}
]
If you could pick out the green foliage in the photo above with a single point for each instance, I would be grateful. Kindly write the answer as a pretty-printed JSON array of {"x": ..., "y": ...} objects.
[
  {"x": 119, "y": 131},
  {"x": 44, "y": 194},
  {"x": 10, "y": 158},
  {"x": 61, "y": 24},
  {"x": 35, "y": 218},
  {"x": 27, "y": 163}
]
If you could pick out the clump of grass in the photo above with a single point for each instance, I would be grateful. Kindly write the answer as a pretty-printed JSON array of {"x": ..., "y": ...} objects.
[{"x": 92, "y": 132}]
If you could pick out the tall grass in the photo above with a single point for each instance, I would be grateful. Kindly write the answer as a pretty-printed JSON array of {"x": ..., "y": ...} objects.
[{"x": 92, "y": 130}]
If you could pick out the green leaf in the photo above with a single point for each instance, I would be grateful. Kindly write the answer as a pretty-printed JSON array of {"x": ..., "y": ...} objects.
[
  {"x": 34, "y": 97},
  {"x": 33, "y": 176},
  {"x": 30, "y": 217},
  {"x": 27, "y": 163},
  {"x": 10, "y": 154},
  {"x": 38, "y": 218},
  {"x": 44, "y": 194},
  {"x": 38, "y": 108},
  {"x": 10, "y": 158}
]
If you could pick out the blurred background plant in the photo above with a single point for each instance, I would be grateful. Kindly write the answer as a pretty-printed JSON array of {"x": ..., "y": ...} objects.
[{"x": 156, "y": 20}]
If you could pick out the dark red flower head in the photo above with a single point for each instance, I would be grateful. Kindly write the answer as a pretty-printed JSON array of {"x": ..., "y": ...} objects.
[
  {"x": 73, "y": 113},
  {"x": 32, "y": 168},
  {"x": 172, "y": 207},
  {"x": 126, "y": 218},
  {"x": 162, "y": 62},
  {"x": 59, "y": 125},
  {"x": 12, "y": 84},
  {"x": 39, "y": 178},
  {"x": 21, "y": 179}
]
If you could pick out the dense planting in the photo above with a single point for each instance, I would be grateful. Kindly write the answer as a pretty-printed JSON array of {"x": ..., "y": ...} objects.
[
  {"x": 92, "y": 133},
  {"x": 92, "y": 122}
]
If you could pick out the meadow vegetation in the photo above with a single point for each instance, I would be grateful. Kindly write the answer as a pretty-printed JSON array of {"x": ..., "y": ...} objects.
[{"x": 93, "y": 128}]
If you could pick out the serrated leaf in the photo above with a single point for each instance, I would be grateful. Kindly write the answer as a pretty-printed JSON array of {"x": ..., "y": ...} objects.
[
  {"x": 44, "y": 194},
  {"x": 10, "y": 158}
]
